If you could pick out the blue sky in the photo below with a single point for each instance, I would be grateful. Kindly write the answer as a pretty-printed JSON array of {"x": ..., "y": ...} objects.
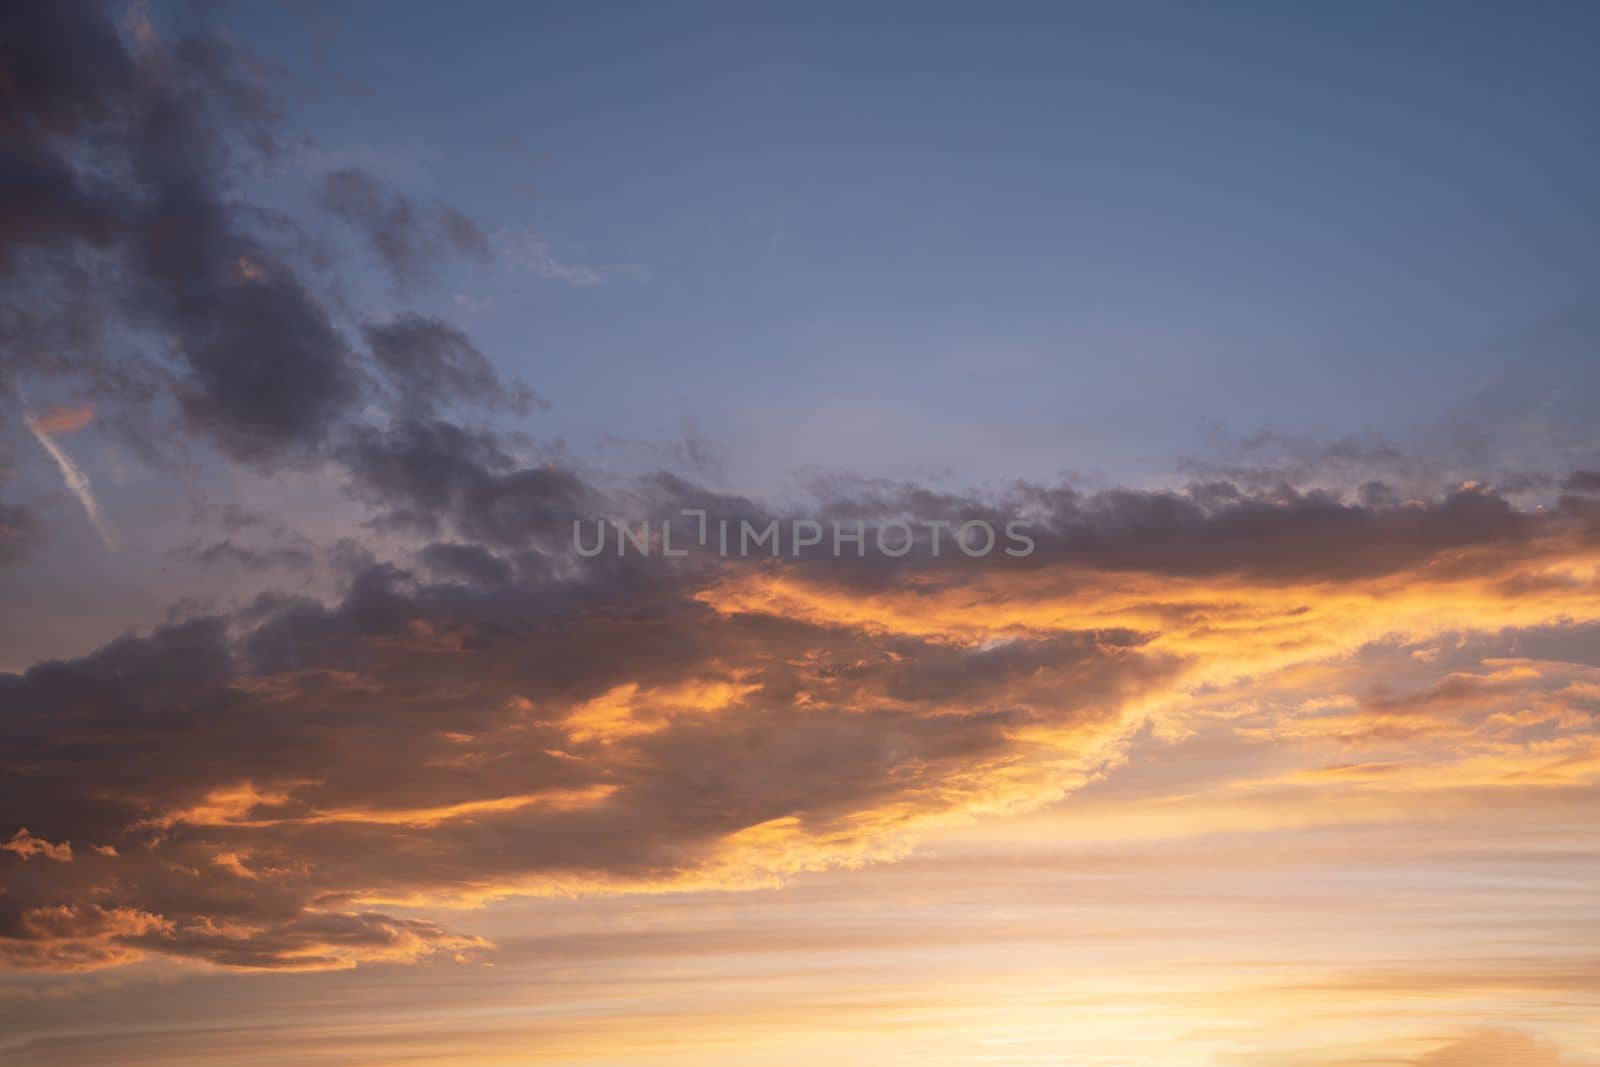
[{"x": 1005, "y": 242}]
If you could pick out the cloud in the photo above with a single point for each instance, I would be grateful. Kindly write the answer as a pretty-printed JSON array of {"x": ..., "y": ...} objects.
[
  {"x": 469, "y": 563},
  {"x": 76, "y": 481},
  {"x": 117, "y": 172},
  {"x": 27, "y": 846},
  {"x": 431, "y": 475},
  {"x": 464, "y": 235},
  {"x": 246, "y": 556},
  {"x": 431, "y": 364},
  {"x": 62, "y": 420},
  {"x": 405, "y": 239},
  {"x": 1582, "y": 482},
  {"x": 509, "y": 719},
  {"x": 122, "y": 160},
  {"x": 529, "y": 251}
]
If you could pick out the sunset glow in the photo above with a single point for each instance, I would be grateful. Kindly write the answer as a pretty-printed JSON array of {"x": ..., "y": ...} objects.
[{"x": 626, "y": 536}]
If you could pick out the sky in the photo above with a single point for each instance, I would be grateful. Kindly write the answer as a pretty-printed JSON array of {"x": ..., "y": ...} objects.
[{"x": 328, "y": 335}]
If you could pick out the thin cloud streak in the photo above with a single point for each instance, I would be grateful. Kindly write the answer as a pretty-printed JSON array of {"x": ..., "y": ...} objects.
[{"x": 76, "y": 481}]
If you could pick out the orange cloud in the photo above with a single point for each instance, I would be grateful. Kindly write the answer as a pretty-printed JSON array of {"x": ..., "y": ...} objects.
[
  {"x": 27, "y": 846},
  {"x": 61, "y": 419}
]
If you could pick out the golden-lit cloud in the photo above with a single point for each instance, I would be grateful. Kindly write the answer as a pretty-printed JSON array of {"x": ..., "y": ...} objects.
[
  {"x": 424, "y": 745},
  {"x": 26, "y": 846}
]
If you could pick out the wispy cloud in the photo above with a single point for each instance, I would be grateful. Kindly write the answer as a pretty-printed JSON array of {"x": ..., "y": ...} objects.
[
  {"x": 529, "y": 251},
  {"x": 77, "y": 482}
]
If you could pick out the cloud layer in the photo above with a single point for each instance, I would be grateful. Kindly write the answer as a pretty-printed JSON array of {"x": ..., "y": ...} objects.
[{"x": 277, "y": 787}]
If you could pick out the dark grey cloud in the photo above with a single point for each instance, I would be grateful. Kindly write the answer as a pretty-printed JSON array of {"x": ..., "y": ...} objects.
[
  {"x": 130, "y": 157},
  {"x": 431, "y": 475},
  {"x": 1582, "y": 482},
  {"x": 431, "y": 364},
  {"x": 1216, "y": 527},
  {"x": 249, "y": 557},
  {"x": 464, "y": 235},
  {"x": 435, "y": 477},
  {"x": 135, "y": 269},
  {"x": 66, "y": 69},
  {"x": 470, "y": 563},
  {"x": 408, "y": 240}
]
